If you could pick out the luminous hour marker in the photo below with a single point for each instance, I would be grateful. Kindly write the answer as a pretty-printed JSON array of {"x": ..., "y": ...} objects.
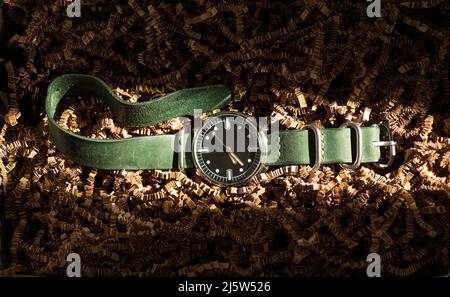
[
  {"x": 203, "y": 150},
  {"x": 217, "y": 170},
  {"x": 227, "y": 124},
  {"x": 241, "y": 169},
  {"x": 215, "y": 128},
  {"x": 249, "y": 160},
  {"x": 208, "y": 162},
  {"x": 207, "y": 137},
  {"x": 229, "y": 174}
]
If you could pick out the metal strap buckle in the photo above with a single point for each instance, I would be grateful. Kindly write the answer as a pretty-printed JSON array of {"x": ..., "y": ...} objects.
[
  {"x": 358, "y": 158},
  {"x": 318, "y": 144},
  {"x": 389, "y": 142}
]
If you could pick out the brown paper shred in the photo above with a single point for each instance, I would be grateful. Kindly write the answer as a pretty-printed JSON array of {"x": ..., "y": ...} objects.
[{"x": 423, "y": 27}]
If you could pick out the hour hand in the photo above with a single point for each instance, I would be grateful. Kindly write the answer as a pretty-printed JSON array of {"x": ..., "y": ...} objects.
[{"x": 235, "y": 158}]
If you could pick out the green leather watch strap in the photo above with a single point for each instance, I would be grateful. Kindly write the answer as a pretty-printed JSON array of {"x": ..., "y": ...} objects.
[
  {"x": 146, "y": 152},
  {"x": 296, "y": 146},
  {"x": 158, "y": 152}
]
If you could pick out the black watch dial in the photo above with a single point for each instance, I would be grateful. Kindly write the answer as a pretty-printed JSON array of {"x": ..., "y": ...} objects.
[{"x": 228, "y": 148}]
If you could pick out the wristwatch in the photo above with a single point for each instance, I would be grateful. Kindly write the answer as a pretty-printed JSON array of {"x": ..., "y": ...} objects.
[{"x": 226, "y": 148}]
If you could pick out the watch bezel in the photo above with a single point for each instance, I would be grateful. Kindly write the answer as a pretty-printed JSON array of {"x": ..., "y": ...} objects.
[{"x": 262, "y": 142}]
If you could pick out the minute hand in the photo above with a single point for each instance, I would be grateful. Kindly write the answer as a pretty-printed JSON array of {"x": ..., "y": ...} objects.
[{"x": 234, "y": 158}]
